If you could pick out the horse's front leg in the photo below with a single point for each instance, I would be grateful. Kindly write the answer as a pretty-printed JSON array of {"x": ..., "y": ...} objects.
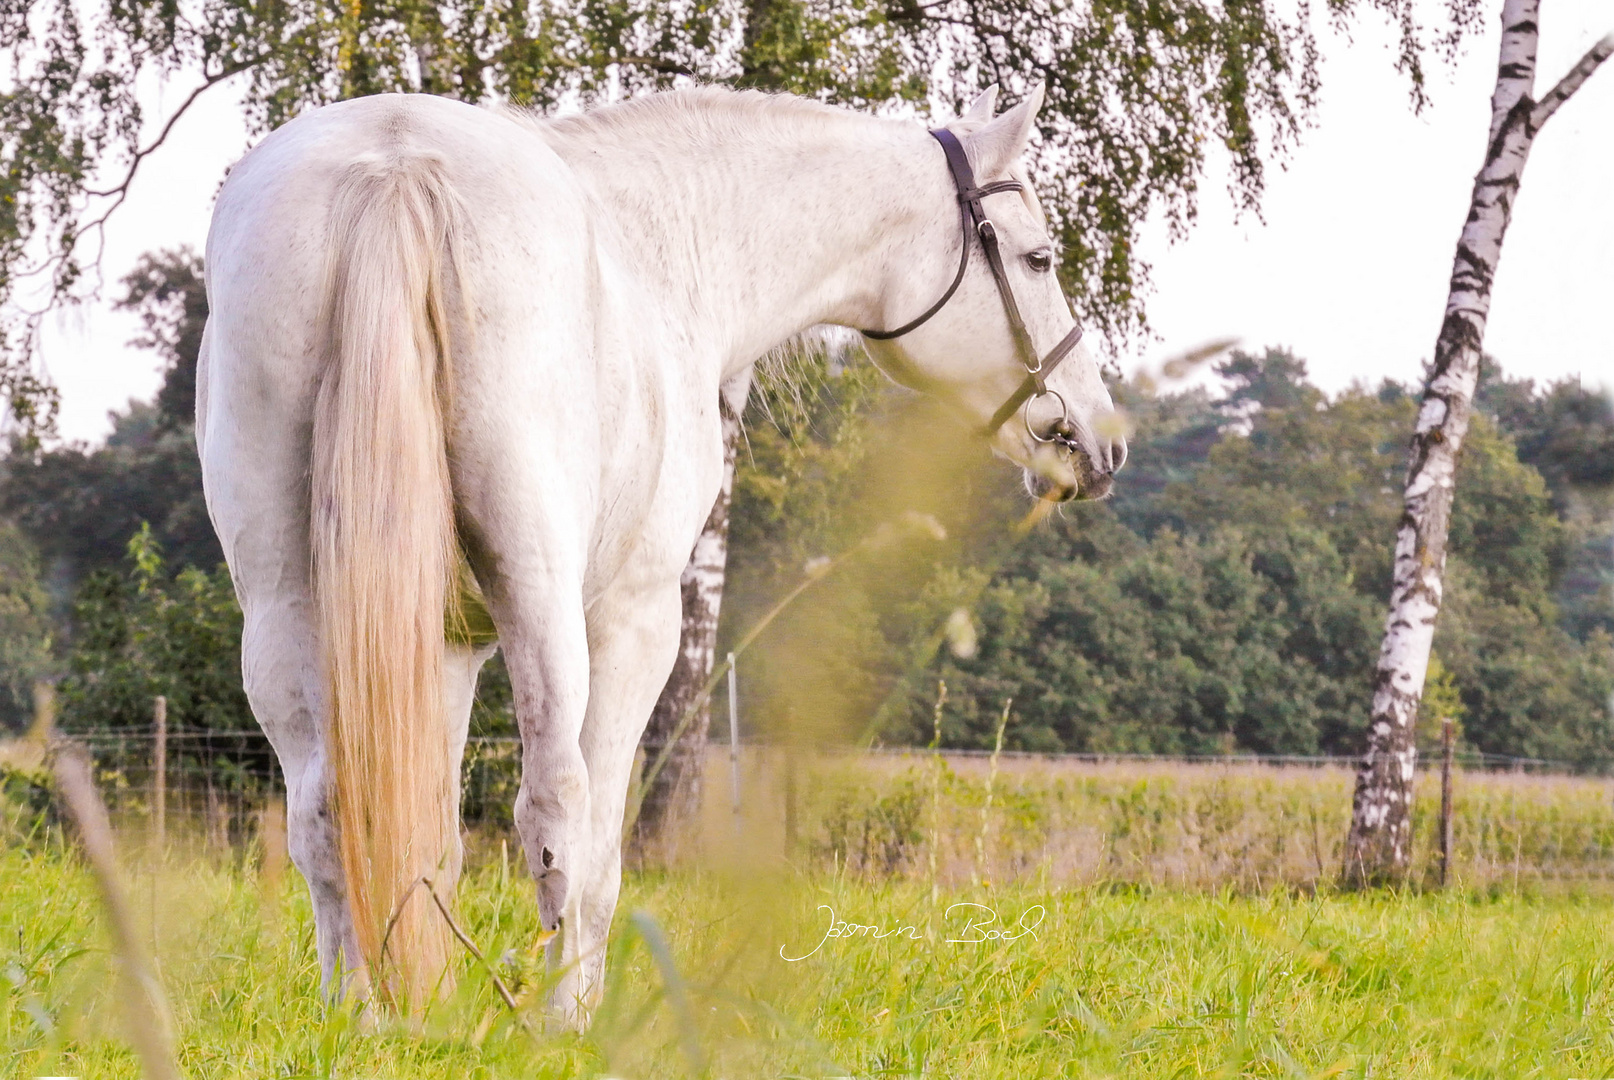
[
  {"x": 546, "y": 650},
  {"x": 461, "y": 665},
  {"x": 636, "y": 635}
]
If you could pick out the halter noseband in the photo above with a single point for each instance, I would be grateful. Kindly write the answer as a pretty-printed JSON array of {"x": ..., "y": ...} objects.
[{"x": 972, "y": 215}]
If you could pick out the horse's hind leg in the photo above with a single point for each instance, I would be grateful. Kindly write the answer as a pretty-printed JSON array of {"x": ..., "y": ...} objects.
[
  {"x": 280, "y": 666},
  {"x": 539, "y": 614},
  {"x": 529, "y": 561},
  {"x": 281, "y": 669},
  {"x": 254, "y": 469}
]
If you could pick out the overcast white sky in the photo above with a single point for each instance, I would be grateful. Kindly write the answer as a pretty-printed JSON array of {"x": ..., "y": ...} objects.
[{"x": 1349, "y": 266}]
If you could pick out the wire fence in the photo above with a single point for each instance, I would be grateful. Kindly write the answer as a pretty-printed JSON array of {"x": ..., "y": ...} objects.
[
  {"x": 1200, "y": 820},
  {"x": 220, "y": 780},
  {"x": 224, "y": 777},
  {"x": 1472, "y": 761}
]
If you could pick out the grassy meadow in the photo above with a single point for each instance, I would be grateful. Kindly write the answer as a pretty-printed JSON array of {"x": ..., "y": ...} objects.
[
  {"x": 1199, "y": 826},
  {"x": 1131, "y": 967}
]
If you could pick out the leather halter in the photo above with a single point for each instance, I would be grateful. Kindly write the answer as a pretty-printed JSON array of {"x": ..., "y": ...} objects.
[{"x": 972, "y": 217}]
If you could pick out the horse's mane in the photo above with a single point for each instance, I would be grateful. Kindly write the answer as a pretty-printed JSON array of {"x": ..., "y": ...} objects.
[
  {"x": 701, "y": 115},
  {"x": 704, "y": 115}
]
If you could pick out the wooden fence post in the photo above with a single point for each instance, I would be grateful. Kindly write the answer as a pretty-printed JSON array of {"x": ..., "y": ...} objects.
[
  {"x": 1445, "y": 800},
  {"x": 734, "y": 737},
  {"x": 935, "y": 785},
  {"x": 790, "y": 794},
  {"x": 159, "y": 766}
]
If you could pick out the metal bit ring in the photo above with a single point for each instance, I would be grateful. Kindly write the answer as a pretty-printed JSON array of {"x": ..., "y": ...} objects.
[{"x": 1062, "y": 432}]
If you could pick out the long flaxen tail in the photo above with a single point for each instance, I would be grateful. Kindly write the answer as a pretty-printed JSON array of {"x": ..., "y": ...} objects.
[{"x": 384, "y": 559}]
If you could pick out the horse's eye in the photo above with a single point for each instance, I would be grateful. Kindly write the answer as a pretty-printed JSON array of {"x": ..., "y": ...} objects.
[{"x": 1040, "y": 261}]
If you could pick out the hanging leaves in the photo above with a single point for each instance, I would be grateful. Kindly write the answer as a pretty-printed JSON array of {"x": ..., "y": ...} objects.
[{"x": 1140, "y": 92}]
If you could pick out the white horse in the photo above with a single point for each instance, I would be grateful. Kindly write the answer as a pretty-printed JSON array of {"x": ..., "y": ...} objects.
[{"x": 449, "y": 341}]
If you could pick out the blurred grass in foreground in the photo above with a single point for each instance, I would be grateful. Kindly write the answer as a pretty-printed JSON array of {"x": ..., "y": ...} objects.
[{"x": 1117, "y": 980}]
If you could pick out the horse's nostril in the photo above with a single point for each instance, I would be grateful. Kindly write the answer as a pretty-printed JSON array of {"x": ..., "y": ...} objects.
[{"x": 1117, "y": 455}]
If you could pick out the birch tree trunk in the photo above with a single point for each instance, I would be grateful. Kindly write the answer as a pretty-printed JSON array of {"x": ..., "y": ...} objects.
[
  {"x": 675, "y": 792},
  {"x": 1379, "y": 847}
]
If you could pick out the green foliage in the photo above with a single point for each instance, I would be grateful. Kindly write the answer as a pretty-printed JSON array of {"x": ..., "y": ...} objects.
[
  {"x": 144, "y": 634},
  {"x": 1503, "y": 525},
  {"x": 1233, "y": 600},
  {"x": 878, "y": 837},
  {"x": 28, "y": 804},
  {"x": 80, "y": 506},
  {"x": 1562, "y": 429},
  {"x": 1566, "y": 432},
  {"x": 1174, "y": 645},
  {"x": 1526, "y": 684},
  {"x": 840, "y": 465},
  {"x": 1441, "y": 701},
  {"x": 25, "y": 628},
  {"x": 167, "y": 290}
]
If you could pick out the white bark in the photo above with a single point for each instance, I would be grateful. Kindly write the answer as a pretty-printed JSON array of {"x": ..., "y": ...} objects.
[
  {"x": 1379, "y": 846},
  {"x": 675, "y": 792}
]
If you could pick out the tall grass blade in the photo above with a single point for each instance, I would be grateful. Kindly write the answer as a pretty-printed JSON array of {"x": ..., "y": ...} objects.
[
  {"x": 677, "y": 993},
  {"x": 991, "y": 782},
  {"x": 150, "y": 1023}
]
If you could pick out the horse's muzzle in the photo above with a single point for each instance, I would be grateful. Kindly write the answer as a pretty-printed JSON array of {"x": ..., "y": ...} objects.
[{"x": 1095, "y": 467}]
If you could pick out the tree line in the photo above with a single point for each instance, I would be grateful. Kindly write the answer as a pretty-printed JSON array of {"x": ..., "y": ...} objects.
[{"x": 1228, "y": 598}]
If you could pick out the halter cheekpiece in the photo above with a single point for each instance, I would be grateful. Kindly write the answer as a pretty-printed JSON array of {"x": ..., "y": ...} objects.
[{"x": 972, "y": 217}]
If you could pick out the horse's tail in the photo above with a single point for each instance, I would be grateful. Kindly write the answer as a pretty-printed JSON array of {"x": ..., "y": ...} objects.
[{"x": 384, "y": 555}]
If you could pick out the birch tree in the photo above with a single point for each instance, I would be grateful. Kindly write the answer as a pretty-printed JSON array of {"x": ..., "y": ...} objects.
[{"x": 1379, "y": 845}]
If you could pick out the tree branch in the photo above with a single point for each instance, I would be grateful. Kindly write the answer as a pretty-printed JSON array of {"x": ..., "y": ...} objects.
[
  {"x": 666, "y": 67},
  {"x": 1572, "y": 81},
  {"x": 122, "y": 188},
  {"x": 118, "y": 193}
]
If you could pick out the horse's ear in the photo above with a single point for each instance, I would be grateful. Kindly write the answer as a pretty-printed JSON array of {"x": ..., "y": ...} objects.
[
  {"x": 997, "y": 145},
  {"x": 980, "y": 110}
]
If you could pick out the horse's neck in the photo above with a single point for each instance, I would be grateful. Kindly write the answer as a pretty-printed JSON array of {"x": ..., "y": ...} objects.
[{"x": 753, "y": 237}]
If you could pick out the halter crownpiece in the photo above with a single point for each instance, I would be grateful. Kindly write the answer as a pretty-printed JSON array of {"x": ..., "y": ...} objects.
[{"x": 972, "y": 217}]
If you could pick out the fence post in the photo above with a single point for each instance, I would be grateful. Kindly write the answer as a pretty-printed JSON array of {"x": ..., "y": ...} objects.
[
  {"x": 1445, "y": 799},
  {"x": 790, "y": 793},
  {"x": 935, "y": 785},
  {"x": 159, "y": 766},
  {"x": 734, "y": 737}
]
